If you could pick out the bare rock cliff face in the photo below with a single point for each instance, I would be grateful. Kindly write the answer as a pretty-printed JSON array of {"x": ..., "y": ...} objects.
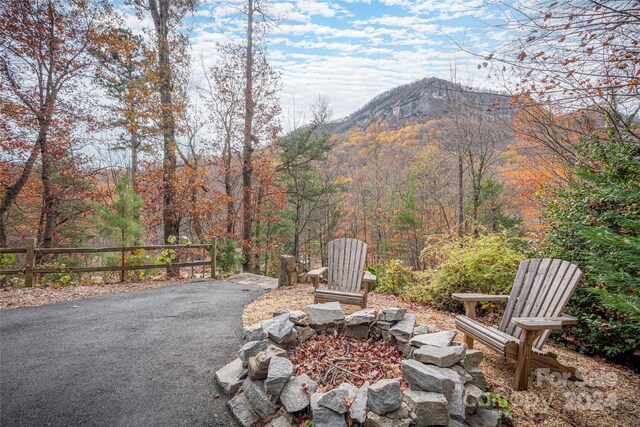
[{"x": 429, "y": 97}]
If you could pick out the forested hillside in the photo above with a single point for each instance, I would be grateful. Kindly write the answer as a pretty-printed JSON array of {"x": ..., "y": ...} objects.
[{"x": 115, "y": 132}]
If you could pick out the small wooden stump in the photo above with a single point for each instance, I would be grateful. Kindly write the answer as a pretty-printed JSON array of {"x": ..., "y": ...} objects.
[{"x": 288, "y": 271}]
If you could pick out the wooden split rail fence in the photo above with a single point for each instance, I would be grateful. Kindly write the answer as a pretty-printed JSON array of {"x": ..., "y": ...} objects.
[{"x": 32, "y": 253}]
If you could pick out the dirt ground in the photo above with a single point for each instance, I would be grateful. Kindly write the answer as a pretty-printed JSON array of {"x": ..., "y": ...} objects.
[
  {"x": 608, "y": 396},
  {"x": 12, "y": 297}
]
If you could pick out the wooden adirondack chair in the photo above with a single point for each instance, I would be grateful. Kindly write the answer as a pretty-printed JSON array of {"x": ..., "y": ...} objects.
[
  {"x": 540, "y": 292},
  {"x": 346, "y": 274}
]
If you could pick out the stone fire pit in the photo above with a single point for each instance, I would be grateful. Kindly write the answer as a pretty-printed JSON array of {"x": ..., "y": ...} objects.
[{"x": 445, "y": 385}]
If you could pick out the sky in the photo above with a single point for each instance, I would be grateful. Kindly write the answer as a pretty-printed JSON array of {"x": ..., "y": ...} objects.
[{"x": 352, "y": 50}]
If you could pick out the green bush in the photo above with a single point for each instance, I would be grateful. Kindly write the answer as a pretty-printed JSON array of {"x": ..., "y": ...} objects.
[
  {"x": 420, "y": 288},
  {"x": 484, "y": 264},
  {"x": 227, "y": 258},
  {"x": 393, "y": 277}
]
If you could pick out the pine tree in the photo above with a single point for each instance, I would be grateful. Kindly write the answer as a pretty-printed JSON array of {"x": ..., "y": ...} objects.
[
  {"x": 120, "y": 221},
  {"x": 595, "y": 223}
]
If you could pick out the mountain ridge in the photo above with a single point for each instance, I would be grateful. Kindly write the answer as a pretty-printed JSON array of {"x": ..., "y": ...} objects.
[{"x": 430, "y": 97}]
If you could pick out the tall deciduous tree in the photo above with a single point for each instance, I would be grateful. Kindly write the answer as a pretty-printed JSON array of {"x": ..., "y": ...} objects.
[
  {"x": 123, "y": 73},
  {"x": 44, "y": 52},
  {"x": 170, "y": 43},
  {"x": 247, "y": 143}
]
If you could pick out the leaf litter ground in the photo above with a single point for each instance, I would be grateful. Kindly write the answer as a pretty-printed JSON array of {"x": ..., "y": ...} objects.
[{"x": 334, "y": 357}]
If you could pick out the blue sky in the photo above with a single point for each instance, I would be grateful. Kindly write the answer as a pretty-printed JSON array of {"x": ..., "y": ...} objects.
[{"x": 352, "y": 50}]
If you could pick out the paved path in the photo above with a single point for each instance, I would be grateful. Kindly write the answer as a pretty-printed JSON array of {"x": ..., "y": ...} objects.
[{"x": 136, "y": 359}]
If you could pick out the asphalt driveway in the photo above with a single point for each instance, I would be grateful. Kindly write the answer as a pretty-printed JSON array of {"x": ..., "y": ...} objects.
[{"x": 136, "y": 359}]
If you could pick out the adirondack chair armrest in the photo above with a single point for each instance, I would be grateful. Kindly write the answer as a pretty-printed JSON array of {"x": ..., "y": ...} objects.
[
  {"x": 479, "y": 297},
  {"x": 542, "y": 323},
  {"x": 369, "y": 280},
  {"x": 470, "y": 301},
  {"x": 314, "y": 275},
  {"x": 317, "y": 272}
]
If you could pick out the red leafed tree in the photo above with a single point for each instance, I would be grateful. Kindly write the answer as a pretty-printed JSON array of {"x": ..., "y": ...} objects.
[
  {"x": 579, "y": 53},
  {"x": 170, "y": 47},
  {"x": 44, "y": 52},
  {"x": 227, "y": 107}
]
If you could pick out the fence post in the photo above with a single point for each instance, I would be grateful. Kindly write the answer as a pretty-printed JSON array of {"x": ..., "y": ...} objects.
[
  {"x": 122, "y": 264},
  {"x": 30, "y": 262},
  {"x": 214, "y": 250}
]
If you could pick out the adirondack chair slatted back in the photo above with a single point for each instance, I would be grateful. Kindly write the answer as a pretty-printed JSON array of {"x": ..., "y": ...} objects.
[
  {"x": 542, "y": 288},
  {"x": 346, "y": 264}
]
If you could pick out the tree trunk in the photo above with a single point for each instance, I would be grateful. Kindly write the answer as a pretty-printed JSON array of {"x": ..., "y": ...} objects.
[
  {"x": 228, "y": 188},
  {"x": 297, "y": 231},
  {"x": 460, "y": 196},
  {"x": 48, "y": 211},
  {"x": 259, "y": 203},
  {"x": 135, "y": 142},
  {"x": 195, "y": 218},
  {"x": 14, "y": 190},
  {"x": 165, "y": 87},
  {"x": 247, "y": 166},
  {"x": 475, "y": 201}
]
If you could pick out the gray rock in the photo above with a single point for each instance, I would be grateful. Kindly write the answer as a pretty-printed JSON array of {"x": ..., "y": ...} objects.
[
  {"x": 358, "y": 409},
  {"x": 456, "y": 396},
  {"x": 304, "y": 333},
  {"x": 299, "y": 317},
  {"x": 423, "y": 329},
  {"x": 280, "y": 329},
  {"x": 404, "y": 328},
  {"x": 437, "y": 339},
  {"x": 325, "y": 315},
  {"x": 472, "y": 359},
  {"x": 478, "y": 378},
  {"x": 244, "y": 373},
  {"x": 280, "y": 313},
  {"x": 257, "y": 398},
  {"x": 358, "y": 331},
  {"x": 485, "y": 418},
  {"x": 379, "y": 334},
  {"x": 229, "y": 376},
  {"x": 405, "y": 348},
  {"x": 366, "y": 315},
  {"x": 253, "y": 333},
  {"x": 430, "y": 408},
  {"x": 456, "y": 423},
  {"x": 384, "y": 396},
  {"x": 325, "y": 417},
  {"x": 375, "y": 420},
  {"x": 443, "y": 357},
  {"x": 351, "y": 390},
  {"x": 280, "y": 371},
  {"x": 242, "y": 411},
  {"x": 251, "y": 349},
  {"x": 283, "y": 420},
  {"x": 399, "y": 414},
  {"x": 264, "y": 357},
  {"x": 472, "y": 398},
  {"x": 335, "y": 399},
  {"x": 427, "y": 377},
  {"x": 294, "y": 395},
  {"x": 254, "y": 372},
  {"x": 384, "y": 325},
  {"x": 392, "y": 314},
  {"x": 463, "y": 374}
]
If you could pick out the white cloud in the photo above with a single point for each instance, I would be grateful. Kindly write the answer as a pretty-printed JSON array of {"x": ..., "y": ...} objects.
[{"x": 336, "y": 50}]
